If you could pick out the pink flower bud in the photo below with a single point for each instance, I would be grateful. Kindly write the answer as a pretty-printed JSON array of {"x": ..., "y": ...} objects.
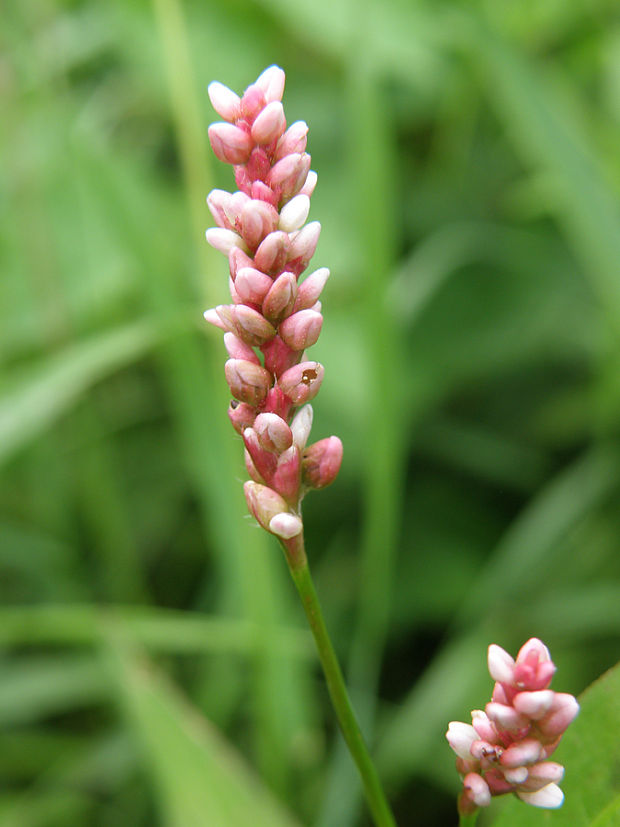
[
  {"x": 257, "y": 219},
  {"x": 224, "y": 101},
  {"x": 293, "y": 141},
  {"x": 288, "y": 175},
  {"x": 286, "y": 525},
  {"x": 302, "y": 425},
  {"x": 272, "y": 252},
  {"x": 286, "y": 477},
  {"x": 217, "y": 201},
  {"x": 269, "y": 124},
  {"x": 303, "y": 246},
  {"x": 224, "y": 240},
  {"x": 310, "y": 289},
  {"x": 250, "y": 326},
  {"x": 505, "y": 717},
  {"x": 278, "y": 402},
  {"x": 310, "y": 184},
  {"x": 533, "y": 704},
  {"x": 501, "y": 664},
  {"x": 230, "y": 143},
  {"x": 564, "y": 709},
  {"x": 484, "y": 726},
  {"x": 278, "y": 356},
  {"x": 294, "y": 214},
  {"x": 252, "y": 102},
  {"x": 248, "y": 381},
  {"x": 258, "y": 165},
  {"x": 540, "y": 775},
  {"x": 460, "y": 737},
  {"x": 213, "y": 318},
  {"x": 321, "y": 462},
  {"x": 477, "y": 790},
  {"x": 280, "y": 299},
  {"x": 241, "y": 415},
  {"x": 273, "y": 433},
  {"x": 252, "y": 285},
  {"x": 237, "y": 349},
  {"x": 302, "y": 329},
  {"x": 251, "y": 468},
  {"x": 261, "y": 192},
  {"x": 516, "y": 776},
  {"x": 302, "y": 382},
  {"x": 263, "y": 502},
  {"x": 533, "y": 667},
  {"x": 264, "y": 461},
  {"x": 522, "y": 752},
  {"x": 271, "y": 81},
  {"x": 550, "y": 797},
  {"x": 237, "y": 259}
]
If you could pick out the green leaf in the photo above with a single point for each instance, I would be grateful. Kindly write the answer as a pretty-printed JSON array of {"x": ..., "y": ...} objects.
[
  {"x": 591, "y": 755},
  {"x": 198, "y": 777}
]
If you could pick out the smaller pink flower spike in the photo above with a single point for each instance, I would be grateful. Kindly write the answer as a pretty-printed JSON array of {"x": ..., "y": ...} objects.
[{"x": 507, "y": 745}]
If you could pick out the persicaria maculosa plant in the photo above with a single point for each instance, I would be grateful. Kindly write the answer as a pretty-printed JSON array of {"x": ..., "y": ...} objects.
[{"x": 274, "y": 317}]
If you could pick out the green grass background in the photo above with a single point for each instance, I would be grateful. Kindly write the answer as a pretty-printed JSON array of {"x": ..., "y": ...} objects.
[{"x": 154, "y": 666}]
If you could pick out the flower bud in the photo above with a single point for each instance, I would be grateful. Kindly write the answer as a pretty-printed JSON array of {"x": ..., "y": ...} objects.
[
  {"x": 273, "y": 433},
  {"x": 301, "y": 426},
  {"x": 286, "y": 477},
  {"x": 237, "y": 259},
  {"x": 294, "y": 214},
  {"x": 248, "y": 381},
  {"x": 321, "y": 462},
  {"x": 263, "y": 502},
  {"x": 261, "y": 192},
  {"x": 250, "y": 326},
  {"x": 522, "y": 752},
  {"x": 237, "y": 349},
  {"x": 258, "y": 166},
  {"x": 540, "y": 775},
  {"x": 533, "y": 666},
  {"x": 310, "y": 184},
  {"x": 252, "y": 102},
  {"x": 257, "y": 219},
  {"x": 224, "y": 240},
  {"x": 217, "y": 202},
  {"x": 251, "y": 468},
  {"x": 564, "y": 709},
  {"x": 505, "y": 717},
  {"x": 311, "y": 287},
  {"x": 533, "y": 704},
  {"x": 280, "y": 299},
  {"x": 269, "y": 124},
  {"x": 501, "y": 664},
  {"x": 293, "y": 141},
  {"x": 288, "y": 175},
  {"x": 303, "y": 246},
  {"x": 549, "y": 797},
  {"x": 272, "y": 252},
  {"x": 271, "y": 81},
  {"x": 264, "y": 461},
  {"x": 460, "y": 737},
  {"x": 302, "y": 382},
  {"x": 225, "y": 102},
  {"x": 230, "y": 143},
  {"x": 213, "y": 318},
  {"x": 241, "y": 415},
  {"x": 477, "y": 790},
  {"x": 302, "y": 329},
  {"x": 286, "y": 525},
  {"x": 252, "y": 285}
]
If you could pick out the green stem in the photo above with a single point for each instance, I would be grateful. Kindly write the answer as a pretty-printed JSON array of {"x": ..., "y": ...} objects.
[
  {"x": 298, "y": 564},
  {"x": 468, "y": 820}
]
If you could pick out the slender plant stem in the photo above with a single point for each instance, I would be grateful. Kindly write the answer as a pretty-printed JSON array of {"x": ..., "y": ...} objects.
[
  {"x": 469, "y": 820},
  {"x": 298, "y": 564}
]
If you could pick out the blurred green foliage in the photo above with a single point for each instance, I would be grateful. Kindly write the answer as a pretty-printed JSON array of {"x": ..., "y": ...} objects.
[{"x": 469, "y": 182}]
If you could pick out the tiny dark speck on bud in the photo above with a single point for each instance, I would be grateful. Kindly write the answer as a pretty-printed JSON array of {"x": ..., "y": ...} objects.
[
  {"x": 234, "y": 404},
  {"x": 308, "y": 376}
]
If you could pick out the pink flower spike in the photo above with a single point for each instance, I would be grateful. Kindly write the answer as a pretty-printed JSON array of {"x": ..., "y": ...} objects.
[
  {"x": 521, "y": 752},
  {"x": 237, "y": 349},
  {"x": 263, "y": 502},
  {"x": 273, "y": 433},
  {"x": 564, "y": 709},
  {"x": 321, "y": 462},
  {"x": 550, "y": 797},
  {"x": 310, "y": 289},
  {"x": 293, "y": 215},
  {"x": 280, "y": 299},
  {"x": 533, "y": 704},
  {"x": 271, "y": 81},
  {"x": 269, "y": 124},
  {"x": 302, "y": 382},
  {"x": 302, "y": 425},
  {"x": 252, "y": 285},
  {"x": 230, "y": 143},
  {"x": 501, "y": 664},
  {"x": 225, "y": 102},
  {"x": 293, "y": 141},
  {"x": 286, "y": 525},
  {"x": 248, "y": 381},
  {"x": 461, "y": 736},
  {"x": 302, "y": 329},
  {"x": 224, "y": 240}
]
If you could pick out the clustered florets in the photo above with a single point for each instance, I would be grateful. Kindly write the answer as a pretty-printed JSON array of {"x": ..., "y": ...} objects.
[
  {"x": 506, "y": 747},
  {"x": 263, "y": 232}
]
